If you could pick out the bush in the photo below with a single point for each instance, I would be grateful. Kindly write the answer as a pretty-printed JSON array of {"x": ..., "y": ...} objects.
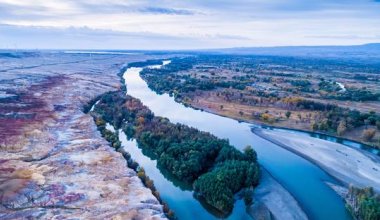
[
  {"x": 364, "y": 204},
  {"x": 368, "y": 134},
  {"x": 218, "y": 186}
]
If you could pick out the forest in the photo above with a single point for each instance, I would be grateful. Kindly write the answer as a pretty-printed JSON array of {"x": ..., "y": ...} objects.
[
  {"x": 364, "y": 203},
  {"x": 297, "y": 93},
  {"x": 216, "y": 169}
]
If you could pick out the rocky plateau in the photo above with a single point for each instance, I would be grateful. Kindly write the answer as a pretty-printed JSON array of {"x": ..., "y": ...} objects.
[{"x": 54, "y": 164}]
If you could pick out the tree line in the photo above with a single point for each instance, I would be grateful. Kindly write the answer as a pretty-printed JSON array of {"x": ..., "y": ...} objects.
[
  {"x": 364, "y": 204},
  {"x": 215, "y": 169}
]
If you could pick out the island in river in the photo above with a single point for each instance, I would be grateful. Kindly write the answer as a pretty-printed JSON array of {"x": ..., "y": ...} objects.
[
  {"x": 215, "y": 169},
  {"x": 302, "y": 179},
  {"x": 56, "y": 164},
  {"x": 190, "y": 78}
]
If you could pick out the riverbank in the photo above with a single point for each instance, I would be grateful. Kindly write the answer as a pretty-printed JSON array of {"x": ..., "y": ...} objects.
[
  {"x": 346, "y": 164},
  {"x": 232, "y": 111},
  {"x": 300, "y": 177},
  {"x": 54, "y": 164},
  {"x": 214, "y": 168},
  {"x": 273, "y": 201},
  {"x": 208, "y": 82}
]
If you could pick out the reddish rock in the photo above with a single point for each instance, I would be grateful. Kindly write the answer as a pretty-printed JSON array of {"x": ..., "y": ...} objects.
[{"x": 53, "y": 161}]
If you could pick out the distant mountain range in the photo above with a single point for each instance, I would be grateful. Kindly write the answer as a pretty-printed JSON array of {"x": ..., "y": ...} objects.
[{"x": 366, "y": 51}]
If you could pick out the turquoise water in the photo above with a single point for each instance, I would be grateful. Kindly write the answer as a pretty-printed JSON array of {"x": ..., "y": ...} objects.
[
  {"x": 301, "y": 178},
  {"x": 179, "y": 197}
]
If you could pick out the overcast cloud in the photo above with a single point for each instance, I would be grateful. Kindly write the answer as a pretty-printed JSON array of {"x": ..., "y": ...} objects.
[{"x": 167, "y": 24}]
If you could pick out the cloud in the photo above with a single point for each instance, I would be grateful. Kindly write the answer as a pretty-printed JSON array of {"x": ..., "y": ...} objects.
[
  {"x": 196, "y": 23},
  {"x": 374, "y": 37},
  {"x": 88, "y": 38},
  {"x": 167, "y": 11}
]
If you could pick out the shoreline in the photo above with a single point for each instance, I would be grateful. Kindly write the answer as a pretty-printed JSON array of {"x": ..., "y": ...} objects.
[
  {"x": 192, "y": 107},
  {"x": 271, "y": 196},
  {"x": 273, "y": 200},
  {"x": 260, "y": 123},
  {"x": 54, "y": 163},
  {"x": 330, "y": 158}
]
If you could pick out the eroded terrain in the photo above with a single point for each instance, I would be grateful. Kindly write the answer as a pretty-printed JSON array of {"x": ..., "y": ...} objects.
[{"x": 53, "y": 161}]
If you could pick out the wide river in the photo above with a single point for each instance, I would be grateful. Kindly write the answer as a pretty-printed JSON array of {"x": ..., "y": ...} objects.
[{"x": 304, "y": 180}]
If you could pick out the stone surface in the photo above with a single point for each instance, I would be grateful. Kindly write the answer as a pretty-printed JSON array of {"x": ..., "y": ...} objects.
[{"x": 53, "y": 162}]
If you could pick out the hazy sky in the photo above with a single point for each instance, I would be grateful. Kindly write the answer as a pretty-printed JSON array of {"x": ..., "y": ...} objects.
[{"x": 169, "y": 24}]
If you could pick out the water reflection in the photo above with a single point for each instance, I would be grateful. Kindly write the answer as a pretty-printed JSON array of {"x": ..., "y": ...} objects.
[{"x": 301, "y": 178}]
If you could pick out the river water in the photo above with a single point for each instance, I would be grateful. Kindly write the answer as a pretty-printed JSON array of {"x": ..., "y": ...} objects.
[{"x": 304, "y": 180}]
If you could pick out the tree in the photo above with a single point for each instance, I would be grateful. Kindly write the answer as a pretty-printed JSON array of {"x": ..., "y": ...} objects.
[
  {"x": 140, "y": 120},
  {"x": 364, "y": 205},
  {"x": 241, "y": 113},
  {"x": 251, "y": 154},
  {"x": 287, "y": 114},
  {"x": 342, "y": 128},
  {"x": 265, "y": 116},
  {"x": 366, "y": 122},
  {"x": 214, "y": 168},
  {"x": 368, "y": 134},
  {"x": 314, "y": 126}
]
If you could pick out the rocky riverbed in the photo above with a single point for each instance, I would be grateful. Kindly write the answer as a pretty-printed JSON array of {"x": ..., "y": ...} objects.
[{"x": 53, "y": 161}]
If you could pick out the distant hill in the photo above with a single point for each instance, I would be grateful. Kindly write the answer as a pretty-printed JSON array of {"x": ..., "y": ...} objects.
[
  {"x": 368, "y": 52},
  {"x": 18, "y": 54}
]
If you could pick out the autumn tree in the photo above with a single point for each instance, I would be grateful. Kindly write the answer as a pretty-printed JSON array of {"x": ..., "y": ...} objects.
[
  {"x": 368, "y": 134},
  {"x": 342, "y": 128}
]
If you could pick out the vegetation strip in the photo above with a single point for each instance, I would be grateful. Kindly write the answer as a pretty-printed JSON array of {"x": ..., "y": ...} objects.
[
  {"x": 215, "y": 169},
  {"x": 113, "y": 139},
  {"x": 247, "y": 82},
  {"x": 363, "y": 204}
]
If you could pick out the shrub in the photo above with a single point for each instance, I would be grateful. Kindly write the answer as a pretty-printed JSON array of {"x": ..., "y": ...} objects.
[{"x": 368, "y": 134}]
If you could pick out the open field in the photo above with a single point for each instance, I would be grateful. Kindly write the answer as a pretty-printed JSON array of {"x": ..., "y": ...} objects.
[{"x": 336, "y": 97}]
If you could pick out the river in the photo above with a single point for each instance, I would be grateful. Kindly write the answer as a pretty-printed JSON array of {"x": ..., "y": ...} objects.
[{"x": 304, "y": 180}]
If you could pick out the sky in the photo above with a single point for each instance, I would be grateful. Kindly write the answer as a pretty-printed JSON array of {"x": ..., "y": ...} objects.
[{"x": 192, "y": 24}]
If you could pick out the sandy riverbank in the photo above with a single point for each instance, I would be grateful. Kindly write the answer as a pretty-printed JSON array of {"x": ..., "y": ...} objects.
[
  {"x": 272, "y": 201},
  {"x": 232, "y": 110},
  {"x": 346, "y": 164}
]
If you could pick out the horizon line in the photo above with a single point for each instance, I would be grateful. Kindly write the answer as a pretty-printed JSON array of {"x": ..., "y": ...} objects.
[{"x": 195, "y": 49}]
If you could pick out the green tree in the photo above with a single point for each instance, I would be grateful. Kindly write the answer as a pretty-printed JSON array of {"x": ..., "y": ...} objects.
[
  {"x": 241, "y": 113},
  {"x": 251, "y": 154},
  {"x": 287, "y": 114}
]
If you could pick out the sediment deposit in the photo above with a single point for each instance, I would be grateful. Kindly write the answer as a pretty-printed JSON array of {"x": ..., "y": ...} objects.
[{"x": 53, "y": 161}]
